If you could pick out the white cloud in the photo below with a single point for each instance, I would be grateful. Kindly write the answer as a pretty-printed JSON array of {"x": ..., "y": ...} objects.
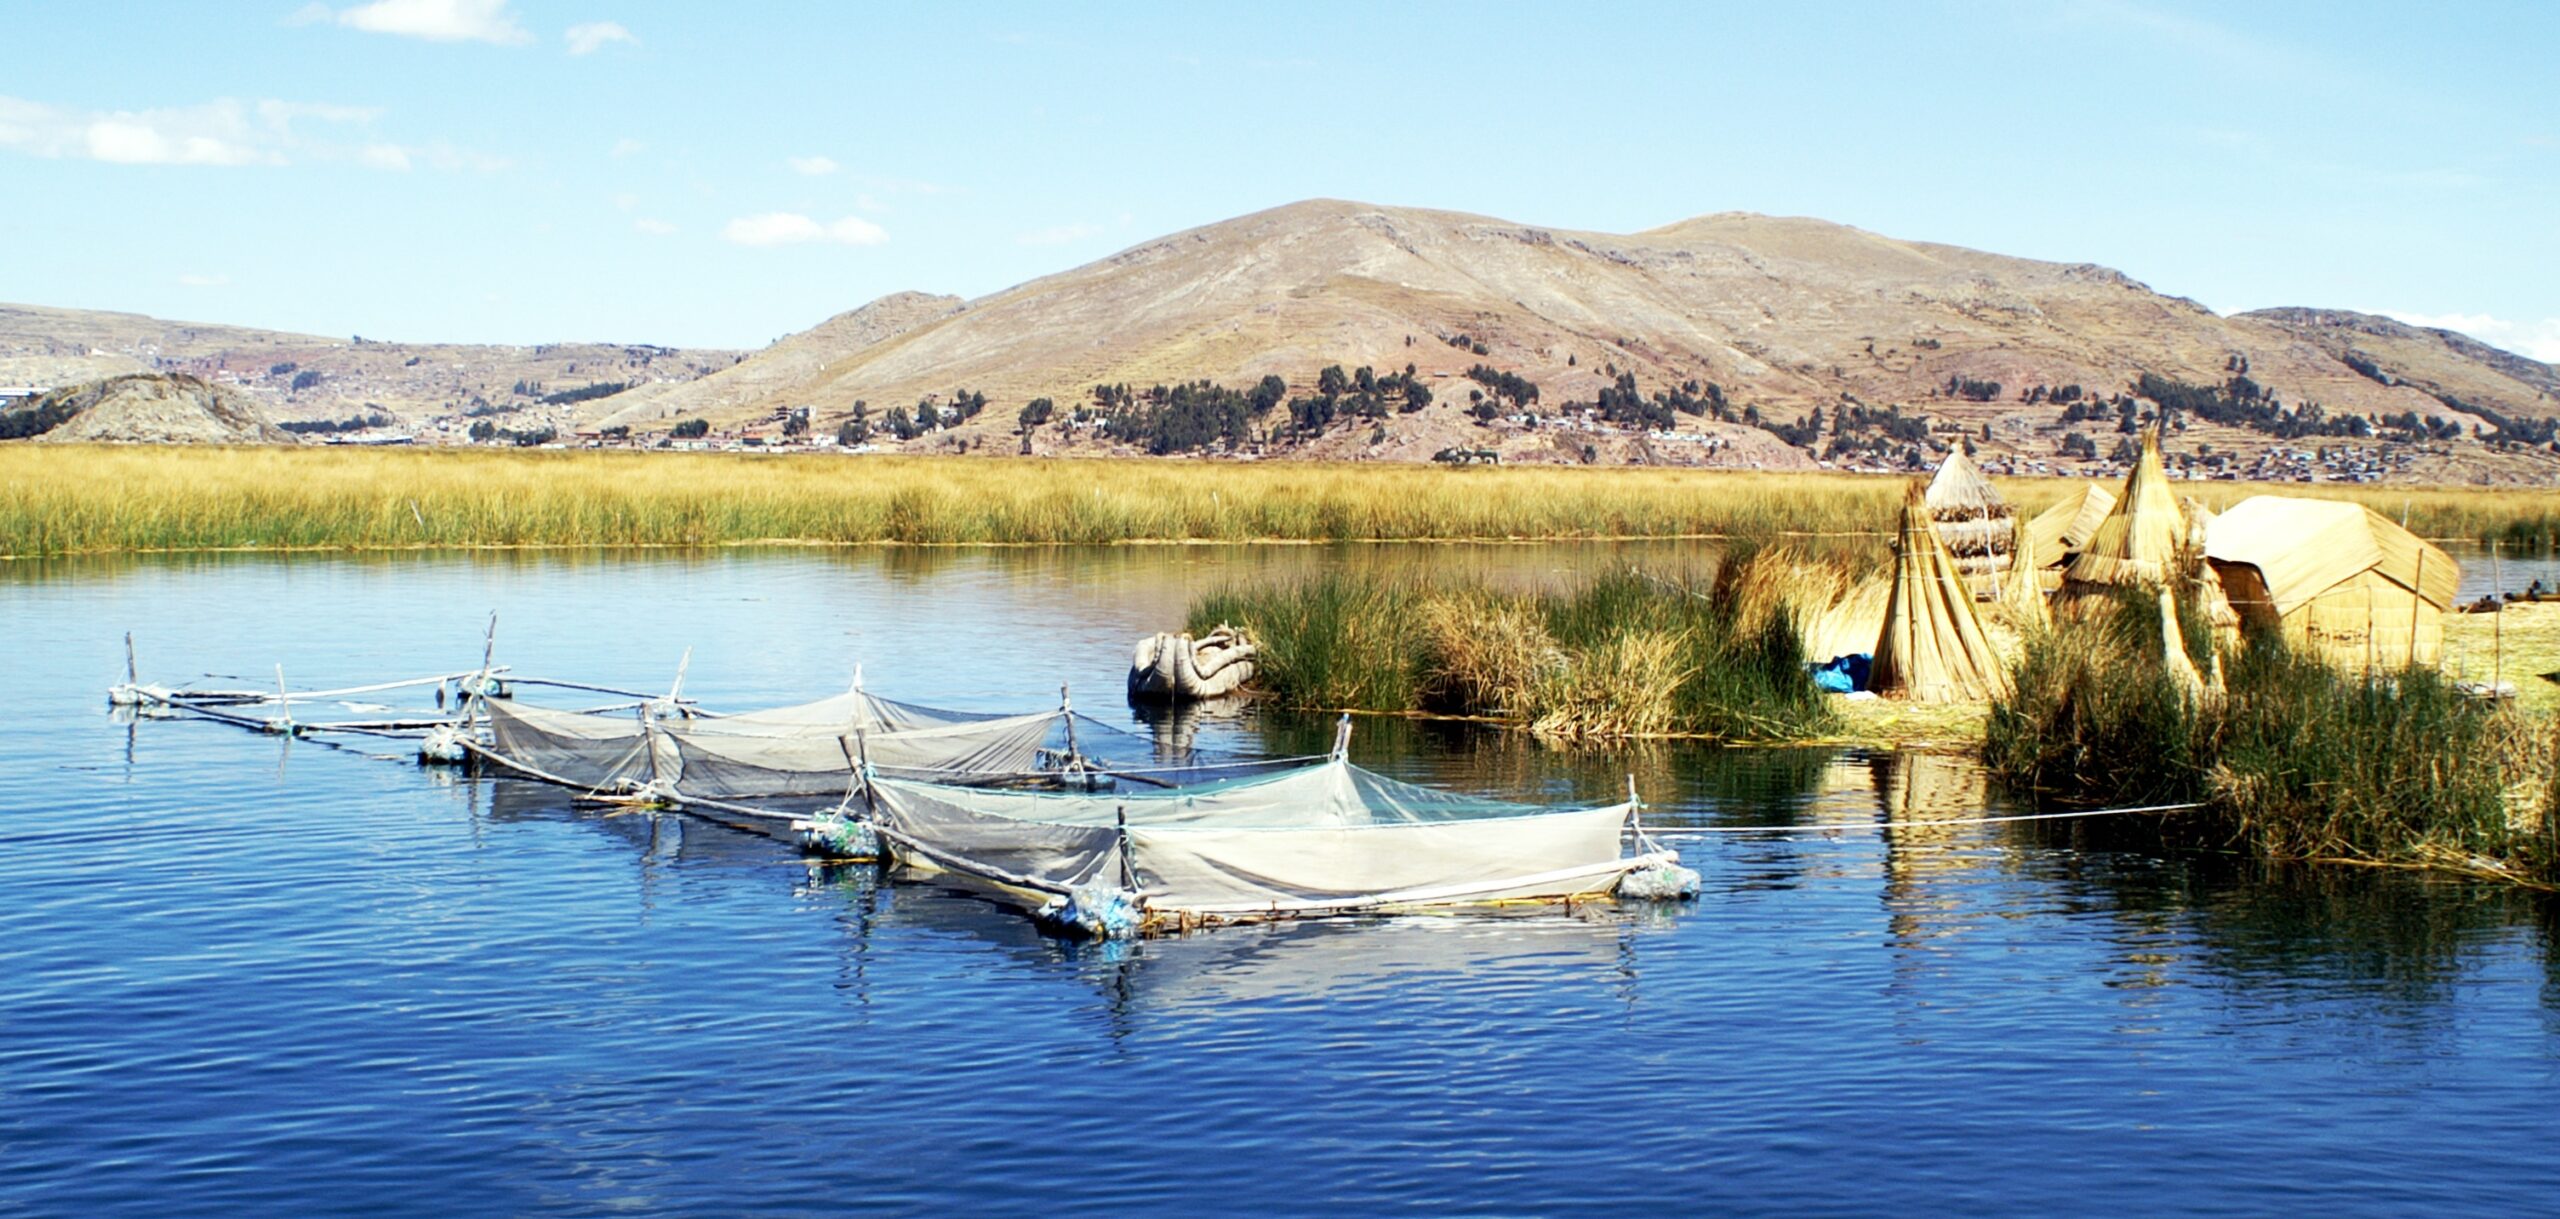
[
  {"x": 628, "y": 147},
  {"x": 221, "y": 132},
  {"x": 653, "y": 227},
  {"x": 433, "y": 20},
  {"x": 225, "y": 131},
  {"x": 815, "y": 167},
  {"x": 1062, "y": 234},
  {"x": 204, "y": 281},
  {"x": 590, "y": 37},
  {"x": 2540, "y": 340},
  {"x": 788, "y": 228}
]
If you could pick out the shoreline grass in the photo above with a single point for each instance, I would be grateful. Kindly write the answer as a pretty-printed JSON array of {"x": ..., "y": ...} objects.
[
  {"x": 88, "y": 499},
  {"x": 1622, "y": 656},
  {"x": 2294, "y": 760}
]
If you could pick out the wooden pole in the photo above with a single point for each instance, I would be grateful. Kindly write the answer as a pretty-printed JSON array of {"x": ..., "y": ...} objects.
[
  {"x": 2416, "y": 598},
  {"x": 2497, "y": 630}
]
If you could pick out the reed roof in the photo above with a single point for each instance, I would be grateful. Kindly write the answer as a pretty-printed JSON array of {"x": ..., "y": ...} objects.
[
  {"x": 2304, "y": 547},
  {"x": 2061, "y": 530},
  {"x": 1961, "y": 492},
  {"x": 2137, "y": 544}
]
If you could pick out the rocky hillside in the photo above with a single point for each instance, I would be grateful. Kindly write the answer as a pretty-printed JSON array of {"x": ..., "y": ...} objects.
[
  {"x": 145, "y": 408},
  {"x": 1725, "y": 323},
  {"x": 303, "y": 377}
]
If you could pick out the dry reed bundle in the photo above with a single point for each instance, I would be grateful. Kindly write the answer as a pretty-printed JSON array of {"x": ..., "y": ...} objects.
[{"x": 1976, "y": 525}]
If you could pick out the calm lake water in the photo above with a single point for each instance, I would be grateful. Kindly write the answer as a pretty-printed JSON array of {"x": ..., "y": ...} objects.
[{"x": 240, "y": 975}]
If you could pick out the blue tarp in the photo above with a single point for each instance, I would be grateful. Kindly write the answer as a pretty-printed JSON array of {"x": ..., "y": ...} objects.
[{"x": 1843, "y": 674}]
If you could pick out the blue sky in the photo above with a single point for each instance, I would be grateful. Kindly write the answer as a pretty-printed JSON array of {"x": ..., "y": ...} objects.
[{"x": 529, "y": 170}]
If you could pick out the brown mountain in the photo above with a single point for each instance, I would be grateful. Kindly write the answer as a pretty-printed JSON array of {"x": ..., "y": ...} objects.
[
  {"x": 312, "y": 377},
  {"x": 1783, "y": 315}
]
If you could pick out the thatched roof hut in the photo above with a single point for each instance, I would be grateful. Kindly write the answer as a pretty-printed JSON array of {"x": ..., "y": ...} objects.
[
  {"x": 1932, "y": 649},
  {"x": 1975, "y": 523},
  {"x": 2138, "y": 543},
  {"x": 2022, "y": 591},
  {"x": 2341, "y": 580},
  {"x": 2060, "y": 531}
]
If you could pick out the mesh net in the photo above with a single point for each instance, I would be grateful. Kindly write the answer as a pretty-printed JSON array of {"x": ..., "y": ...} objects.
[
  {"x": 811, "y": 749},
  {"x": 1314, "y": 837}
]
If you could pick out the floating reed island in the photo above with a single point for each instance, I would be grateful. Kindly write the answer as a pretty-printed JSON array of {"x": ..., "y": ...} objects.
[
  {"x": 2286, "y": 673},
  {"x": 75, "y": 499}
]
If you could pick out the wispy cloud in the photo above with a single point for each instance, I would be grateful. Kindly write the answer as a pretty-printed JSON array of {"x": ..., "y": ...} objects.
[
  {"x": 589, "y": 37},
  {"x": 433, "y": 20},
  {"x": 1060, "y": 234},
  {"x": 225, "y": 131},
  {"x": 628, "y": 147},
  {"x": 815, "y": 167},
  {"x": 791, "y": 228},
  {"x": 653, "y": 227},
  {"x": 2540, "y": 340}
]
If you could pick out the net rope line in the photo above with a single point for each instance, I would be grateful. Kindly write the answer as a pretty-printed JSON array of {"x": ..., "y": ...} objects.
[{"x": 1702, "y": 831}]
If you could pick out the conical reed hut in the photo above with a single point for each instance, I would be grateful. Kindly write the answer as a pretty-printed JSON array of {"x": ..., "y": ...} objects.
[
  {"x": 1977, "y": 526},
  {"x": 2137, "y": 546},
  {"x": 1933, "y": 648}
]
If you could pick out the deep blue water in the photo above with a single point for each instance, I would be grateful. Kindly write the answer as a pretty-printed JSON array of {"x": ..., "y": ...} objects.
[{"x": 240, "y": 975}]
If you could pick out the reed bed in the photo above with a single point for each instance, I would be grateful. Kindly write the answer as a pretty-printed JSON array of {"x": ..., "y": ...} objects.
[
  {"x": 1623, "y": 656},
  {"x": 2295, "y": 759},
  {"x": 72, "y": 499},
  {"x": 79, "y": 499}
]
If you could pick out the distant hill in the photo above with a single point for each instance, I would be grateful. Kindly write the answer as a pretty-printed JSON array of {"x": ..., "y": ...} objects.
[
  {"x": 145, "y": 408},
  {"x": 1732, "y": 339},
  {"x": 2450, "y": 366},
  {"x": 1781, "y": 316},
  {"x": 310, "y": 377}
]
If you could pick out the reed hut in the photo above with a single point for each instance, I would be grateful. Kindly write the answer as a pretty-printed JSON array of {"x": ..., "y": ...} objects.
[
  {"x": 2060, "y": 531},
  {"x": 2341, "y": 580},
  {"x": 2022, "y": 592},
  {"x": 1933, "y": 648},
  {"x": 1977, "y": 526},
  {"x": 2204, "y": 585},
  {"x": 2137, "y": 545}
]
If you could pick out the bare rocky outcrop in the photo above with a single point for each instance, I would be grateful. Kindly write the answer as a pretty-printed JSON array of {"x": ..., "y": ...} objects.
[{"x": 155, "y": 408}]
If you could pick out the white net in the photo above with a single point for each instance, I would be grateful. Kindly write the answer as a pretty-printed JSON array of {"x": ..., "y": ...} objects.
[
  {"x": 1321, "y": 837},
  {"x": 805, "y": 750}
]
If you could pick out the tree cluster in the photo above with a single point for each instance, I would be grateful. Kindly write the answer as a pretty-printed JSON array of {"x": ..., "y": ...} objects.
[
  {"x": 1972, "y": 390},
  {"x": 331, "y": 427},
  {"x": 485, "y": 432},
  {"x": 583, "y": 393},
  {"x": 1358, "y": 394},
  {"x": 1182, "y": 418},
  {"x": 2243, "y": 403},
  {"x": 1510, "y": 387}
]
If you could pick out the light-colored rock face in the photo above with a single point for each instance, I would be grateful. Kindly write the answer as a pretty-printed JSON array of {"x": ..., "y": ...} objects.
[
  {"x": 1786, "y": 314},
  {"x": 756, "y": 384},
  {"x": 148, "y": 409},
  {"x": 314, "y": 377}
]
